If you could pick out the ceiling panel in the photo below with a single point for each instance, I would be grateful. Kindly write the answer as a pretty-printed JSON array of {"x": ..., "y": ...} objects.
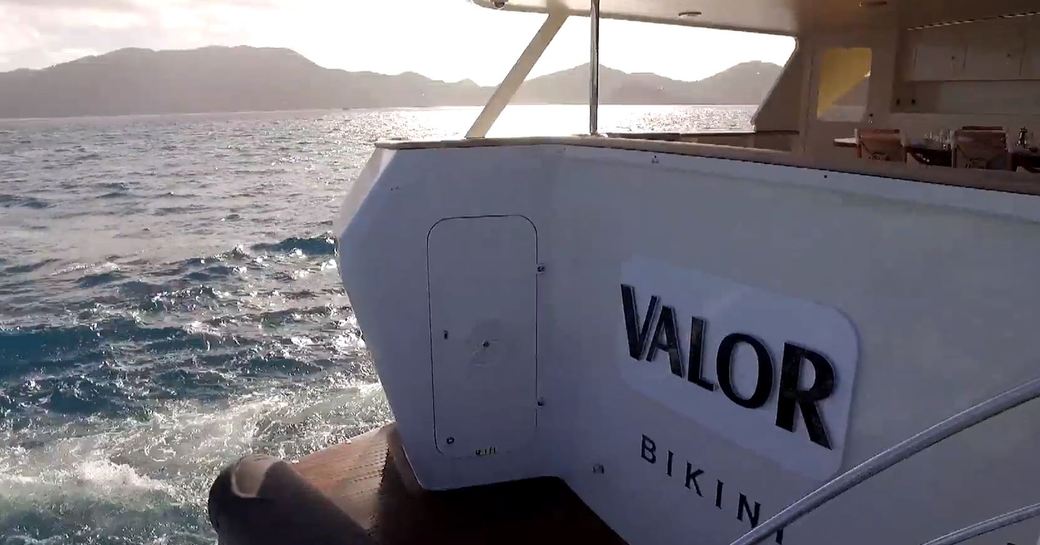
[{"x": 785, "y": 16}]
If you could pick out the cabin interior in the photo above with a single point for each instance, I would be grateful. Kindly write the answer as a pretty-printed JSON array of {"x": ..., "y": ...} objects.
[{"x": 923, "y": 86}]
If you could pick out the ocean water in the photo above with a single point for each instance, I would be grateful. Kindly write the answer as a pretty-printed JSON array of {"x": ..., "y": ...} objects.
[{"x": 169, "y": 301}]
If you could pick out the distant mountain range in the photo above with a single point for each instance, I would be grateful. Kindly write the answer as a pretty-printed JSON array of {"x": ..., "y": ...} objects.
[{"x": 226, "y": 79}]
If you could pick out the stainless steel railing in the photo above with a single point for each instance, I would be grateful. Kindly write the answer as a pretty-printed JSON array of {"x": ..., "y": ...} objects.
[
  {"x": 889, "y": 457},
  {"x": 594, "y": 67},
  {"x": 988, "y": 525}
]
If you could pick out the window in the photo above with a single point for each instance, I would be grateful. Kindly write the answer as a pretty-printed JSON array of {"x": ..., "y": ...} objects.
[{"x": 843, "y": 84}]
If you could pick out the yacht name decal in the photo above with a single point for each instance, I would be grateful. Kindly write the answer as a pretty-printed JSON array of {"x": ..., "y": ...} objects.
[
  {"x": 704, "y": 485},
  {"x": 657, "y": 333}
]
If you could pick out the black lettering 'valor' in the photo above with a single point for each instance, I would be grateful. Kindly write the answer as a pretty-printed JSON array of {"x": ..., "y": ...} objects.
[{"x": 658, "y": 331}]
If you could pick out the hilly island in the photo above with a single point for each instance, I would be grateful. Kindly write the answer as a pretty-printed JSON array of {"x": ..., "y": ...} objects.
[{"x": 228, "y": 79}]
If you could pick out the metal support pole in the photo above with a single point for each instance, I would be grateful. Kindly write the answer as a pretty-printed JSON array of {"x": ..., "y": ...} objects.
[
  {"x": 516, "y": 76},
  {"x": 594, "y": 67}
]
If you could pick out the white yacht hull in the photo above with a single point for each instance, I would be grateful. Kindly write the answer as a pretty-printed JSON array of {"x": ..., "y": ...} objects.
[{"x": 489, "y": 283}]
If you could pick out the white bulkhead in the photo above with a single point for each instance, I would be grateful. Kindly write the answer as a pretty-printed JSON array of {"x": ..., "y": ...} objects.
[{"x": 692, "y": 343}]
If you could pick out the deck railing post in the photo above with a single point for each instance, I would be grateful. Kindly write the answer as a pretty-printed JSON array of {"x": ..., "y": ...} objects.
[
  {"x": 516, "y": 76},
  {"x": 594, "y": 67}
]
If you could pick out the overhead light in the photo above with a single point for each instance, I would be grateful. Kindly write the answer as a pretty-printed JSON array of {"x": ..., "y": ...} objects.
[
  {"x": 873, "y": 3},
  {"x": 691, "y": 13}
]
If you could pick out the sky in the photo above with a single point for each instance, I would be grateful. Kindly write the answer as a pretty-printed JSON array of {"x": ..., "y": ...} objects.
[{"x": 444, "y": 39}]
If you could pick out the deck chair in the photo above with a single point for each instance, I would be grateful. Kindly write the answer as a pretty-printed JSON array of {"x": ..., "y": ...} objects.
[
  {"x": 880, "y": 145},
  {"x": 981, "y": 148}
]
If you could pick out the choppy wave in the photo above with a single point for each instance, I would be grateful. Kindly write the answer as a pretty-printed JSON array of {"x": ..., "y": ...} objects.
[
  {"x": 115, "y": 418},
  {"x": 319, "y": 245},
  {"x": 29, "y": 267},
  {"x": 7, "y": 201},
  {"x": 99, "y": 279},
  {"x": 141, "y": 480}
]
